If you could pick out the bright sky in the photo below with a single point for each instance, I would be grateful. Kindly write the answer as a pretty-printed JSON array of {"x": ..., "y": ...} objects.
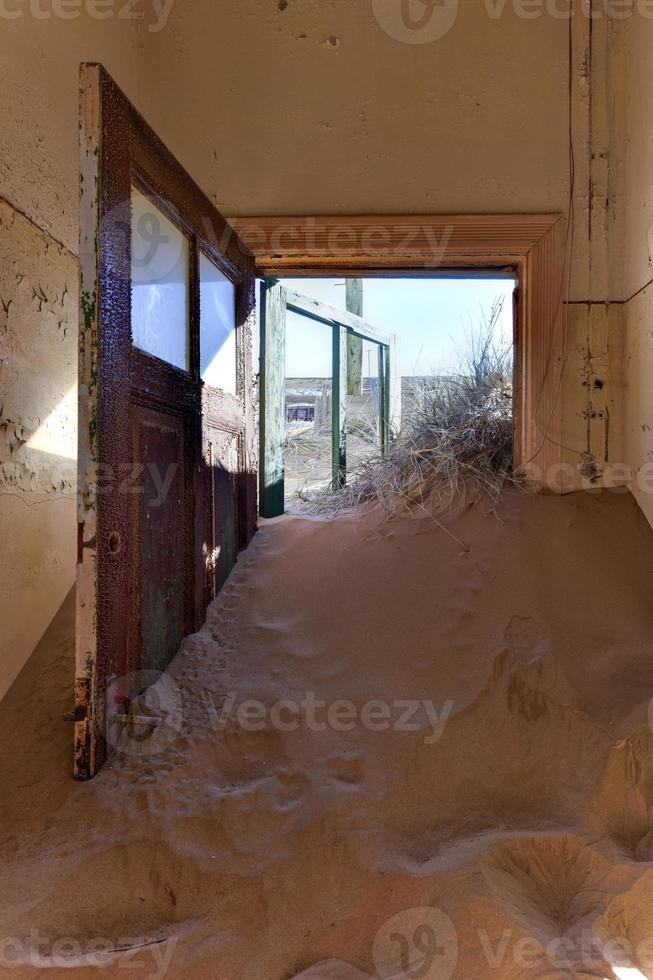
[{"x": 432, "y": 318}]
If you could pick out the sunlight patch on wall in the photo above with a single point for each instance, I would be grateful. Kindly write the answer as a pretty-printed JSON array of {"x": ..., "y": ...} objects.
[{"x": 58, "y": 434}]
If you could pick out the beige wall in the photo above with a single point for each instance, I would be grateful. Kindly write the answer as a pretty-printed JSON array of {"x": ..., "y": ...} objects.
[
  {"x": 315, "y": 108},
  {"x": 39, "y": 61}
]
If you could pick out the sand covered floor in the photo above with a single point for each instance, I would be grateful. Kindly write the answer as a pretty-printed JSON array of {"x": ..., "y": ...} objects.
[{"x": 390, "y": 752}]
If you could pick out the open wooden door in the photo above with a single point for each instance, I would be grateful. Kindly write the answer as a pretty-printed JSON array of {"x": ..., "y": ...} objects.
[{"x": 167, "y": 468}]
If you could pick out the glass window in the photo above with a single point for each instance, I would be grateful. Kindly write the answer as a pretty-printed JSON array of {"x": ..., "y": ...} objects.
[
  {"x": 308, "y": 405},
  {"x": 217, "y": 328},
  {"x": 160, "y": 291},
  {"x": 363, "y": 412}
]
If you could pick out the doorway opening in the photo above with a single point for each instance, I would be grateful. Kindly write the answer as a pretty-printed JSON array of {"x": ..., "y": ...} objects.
[{"x": 371, "y": 360}]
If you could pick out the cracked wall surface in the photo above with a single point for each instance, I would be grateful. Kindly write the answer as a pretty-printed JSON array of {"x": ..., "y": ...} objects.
[
  {"x": 38, "y": 433},
  {"x": 39, "y": 231},
  {"x": 591, "y": 377}
]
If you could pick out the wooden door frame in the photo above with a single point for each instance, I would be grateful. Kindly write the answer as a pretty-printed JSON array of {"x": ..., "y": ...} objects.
[
  {"x": 276, "y": 302},
  {"x": 118, "y": 149},
  {"x": 530, "y": 245}
]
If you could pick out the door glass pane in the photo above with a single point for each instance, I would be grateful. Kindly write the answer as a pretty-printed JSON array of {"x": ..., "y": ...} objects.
[
  {"x": 364, "y": 413},
  {"x": 308, "y": 394},
  {"x": 217, "y": 328},
  {"x": 160, "y": 292}
]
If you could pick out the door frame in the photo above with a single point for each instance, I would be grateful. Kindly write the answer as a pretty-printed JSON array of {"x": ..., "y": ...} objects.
[
  {"x": 533, "y": 247},
  {"x": 276, "y": 301}
]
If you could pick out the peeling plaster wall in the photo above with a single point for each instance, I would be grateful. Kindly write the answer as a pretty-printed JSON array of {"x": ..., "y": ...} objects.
[
  {"x": 638, "y": 273},
  {"x": 39, "y": 221},
  {"x": 38, "y": 431},
  {"x": 592, "y": 397}
]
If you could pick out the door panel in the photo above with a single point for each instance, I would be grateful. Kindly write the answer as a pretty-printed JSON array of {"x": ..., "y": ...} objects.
[
  {"x": 166, "y": 478},
  {"x": 164, "y": 559}
]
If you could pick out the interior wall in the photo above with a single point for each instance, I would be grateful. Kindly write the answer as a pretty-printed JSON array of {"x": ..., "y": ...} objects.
[
  {"x": 610, "y": 333},
  {"x": 638, "y": 272},
  {"x": 321, "y": 107},
  {"x": 38, "y": 425},
  {"x": 39, "y": 190},
  {"x": 591, "y": 390}
]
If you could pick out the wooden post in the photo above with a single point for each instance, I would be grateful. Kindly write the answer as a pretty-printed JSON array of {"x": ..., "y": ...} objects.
[
  {"x": 272, "y": 399},
  {"x": 384, "y": 396},
  {"x": 339, "y": 407},
  {"x": 354, "y": 304},
  {"x": 394, "y": 389}
]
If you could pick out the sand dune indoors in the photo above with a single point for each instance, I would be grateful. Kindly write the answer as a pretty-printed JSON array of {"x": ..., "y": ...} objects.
[{"x": 444, "y": 769}]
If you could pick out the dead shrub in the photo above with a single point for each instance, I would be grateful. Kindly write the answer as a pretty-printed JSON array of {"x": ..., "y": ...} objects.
[{"x": 456, "y": 441}]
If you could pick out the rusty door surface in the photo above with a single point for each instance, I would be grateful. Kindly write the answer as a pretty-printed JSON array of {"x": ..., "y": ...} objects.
[{"x": 166, "y": 472}]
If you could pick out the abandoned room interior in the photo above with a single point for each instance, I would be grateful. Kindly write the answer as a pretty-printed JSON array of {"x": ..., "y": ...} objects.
[{"x": 326, "y": 504}]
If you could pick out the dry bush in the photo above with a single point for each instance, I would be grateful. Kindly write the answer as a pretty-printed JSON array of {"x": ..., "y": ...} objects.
[
  {"x": 305, "y": 451},
  {"x": 456, "y": 442}
]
